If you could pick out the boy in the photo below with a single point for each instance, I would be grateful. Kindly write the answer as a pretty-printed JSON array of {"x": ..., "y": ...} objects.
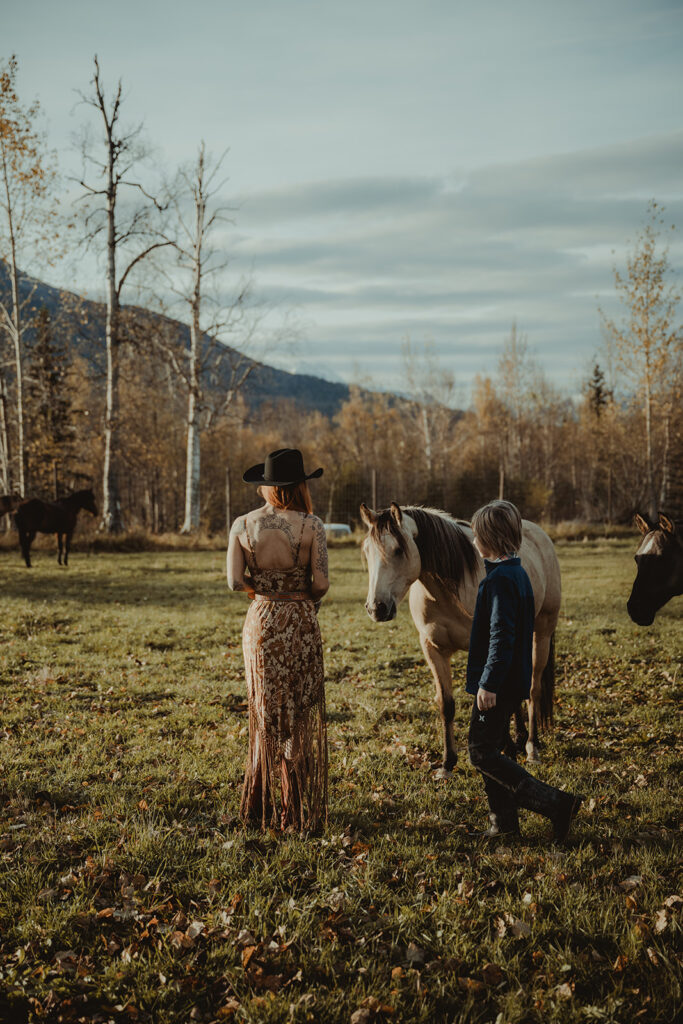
[{"x": 499, "y": 669}]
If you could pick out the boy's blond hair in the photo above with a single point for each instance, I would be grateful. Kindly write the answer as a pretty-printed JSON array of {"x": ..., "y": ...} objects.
[{"x": 498, "y": 526}]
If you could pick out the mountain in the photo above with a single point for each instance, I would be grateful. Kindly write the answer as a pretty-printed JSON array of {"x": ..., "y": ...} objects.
[{"x": 82, "y": 324}]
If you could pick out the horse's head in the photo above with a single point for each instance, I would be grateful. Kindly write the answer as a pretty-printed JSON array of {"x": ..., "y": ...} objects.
[
  {"x": 88, "y": 501},
  {"x": 660, "y": 569},
  {"x": 392, "y": 558}
]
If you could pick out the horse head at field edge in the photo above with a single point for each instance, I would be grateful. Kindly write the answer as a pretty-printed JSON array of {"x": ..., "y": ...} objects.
[
  {"x": 659, "y": 559},
  {"x": 392, "y": 558}
]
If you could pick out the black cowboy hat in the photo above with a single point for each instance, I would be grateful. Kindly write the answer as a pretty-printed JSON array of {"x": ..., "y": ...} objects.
[{"x": 281, "y": 468}]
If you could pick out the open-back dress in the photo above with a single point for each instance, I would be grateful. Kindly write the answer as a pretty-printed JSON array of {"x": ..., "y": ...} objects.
[{"x": 285, "y": 783}]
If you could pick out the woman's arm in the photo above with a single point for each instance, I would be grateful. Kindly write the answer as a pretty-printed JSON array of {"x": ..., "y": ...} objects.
[
  {"x": 236, "y": 562},
  {"x": 320, "y": 583}
]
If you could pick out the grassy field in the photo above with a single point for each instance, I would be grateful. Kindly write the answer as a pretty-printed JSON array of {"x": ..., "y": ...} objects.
[{"x": 129, "y": 892}]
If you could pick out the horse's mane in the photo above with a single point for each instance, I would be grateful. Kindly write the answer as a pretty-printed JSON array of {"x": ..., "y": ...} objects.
[{"x": 445, "y": 550}]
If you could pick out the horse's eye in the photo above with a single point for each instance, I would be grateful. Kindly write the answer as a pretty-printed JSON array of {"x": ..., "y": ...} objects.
[{"x": 398, "y": 553}]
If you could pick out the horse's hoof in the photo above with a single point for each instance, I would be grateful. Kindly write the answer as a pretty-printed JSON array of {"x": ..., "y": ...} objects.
[
  {"x": 532, "y": 755},
  {"x": 443, "y": 773}
]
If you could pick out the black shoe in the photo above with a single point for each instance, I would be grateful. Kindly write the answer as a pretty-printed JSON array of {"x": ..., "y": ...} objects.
[
  {"x": 567, "y": 809},
  {"x": 557, "y": 805}
]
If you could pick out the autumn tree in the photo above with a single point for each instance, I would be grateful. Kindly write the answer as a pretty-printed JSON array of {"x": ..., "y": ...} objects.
[
  {"x": 127, "y": 234},
  {"x": 27, "y": 231},
  {"x": 647, "y": 340}
]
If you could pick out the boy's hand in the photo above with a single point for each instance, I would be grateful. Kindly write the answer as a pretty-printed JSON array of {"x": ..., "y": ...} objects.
[{"x": 485, "y": 699}]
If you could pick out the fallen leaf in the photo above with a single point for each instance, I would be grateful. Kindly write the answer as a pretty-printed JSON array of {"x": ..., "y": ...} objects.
[
  {"x": 414, "y": 955},
  {"x": 228, "y": 1009},
  {"x": 245, "y": 938},
  {"x": 247, "y": 954},
  {"x": 564, "y": 991},
  {"x": 661, "y": 921},
  {"x": 632, "y": 882},
  {"x": 195, "y": 929},
  {"x": 362, "y": 1015},
  {"x": 471, "y": 985},
  {"x": 492, "y": 974}
]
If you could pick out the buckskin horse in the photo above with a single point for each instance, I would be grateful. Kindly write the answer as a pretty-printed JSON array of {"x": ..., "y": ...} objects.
[
  {"x": 36, "y": 516},
  {"x": 660, "y": 569},
  {"x": 427, "y": 552}
]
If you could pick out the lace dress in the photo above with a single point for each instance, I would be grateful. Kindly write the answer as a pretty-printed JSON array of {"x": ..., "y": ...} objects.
[{"x": 285, "y": 783}]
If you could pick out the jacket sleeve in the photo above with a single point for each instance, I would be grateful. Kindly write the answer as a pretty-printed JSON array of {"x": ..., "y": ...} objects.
[{"x": 503, "y": 604}]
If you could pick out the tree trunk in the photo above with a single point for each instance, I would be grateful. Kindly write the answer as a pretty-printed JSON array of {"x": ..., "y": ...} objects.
[
  {"x": 19, "y": 374},
  {"x": 649, "y": 474},
  {"x": 191, "y": 523},
  {"x": 5, "y": 464},
  {"x": 330, "y": 500},
  {"x": 111, "y": 497},
  {"x": 664, "y": 487},
  {"x": 228, "y": 501},
  {"x": 193, "y": 463}
]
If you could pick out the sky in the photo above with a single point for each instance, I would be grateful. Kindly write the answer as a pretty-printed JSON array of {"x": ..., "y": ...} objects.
[{"x": 400, "y": 171}]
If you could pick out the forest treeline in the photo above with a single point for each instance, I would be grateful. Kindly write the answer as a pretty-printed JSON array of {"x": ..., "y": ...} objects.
[{"x": 162, "y": 427}]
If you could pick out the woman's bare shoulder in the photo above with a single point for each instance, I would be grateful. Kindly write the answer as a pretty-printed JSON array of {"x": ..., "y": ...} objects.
[{"x": 238, "y": 526}]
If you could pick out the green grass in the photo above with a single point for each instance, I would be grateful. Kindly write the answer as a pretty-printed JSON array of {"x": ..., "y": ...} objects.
[{"x": 129, "y": 892}]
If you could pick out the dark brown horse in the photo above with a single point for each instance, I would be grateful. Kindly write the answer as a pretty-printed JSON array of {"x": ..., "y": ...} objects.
[
  {"x": 660, "y": 568},
  {"x": 36, "y": 516}
]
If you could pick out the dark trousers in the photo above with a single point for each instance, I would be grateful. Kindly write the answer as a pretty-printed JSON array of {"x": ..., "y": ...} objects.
[{"x": 488, "y": 735}]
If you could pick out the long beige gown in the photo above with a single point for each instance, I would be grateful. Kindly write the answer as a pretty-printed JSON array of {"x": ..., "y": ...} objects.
[{"x": 285, "y": 783}]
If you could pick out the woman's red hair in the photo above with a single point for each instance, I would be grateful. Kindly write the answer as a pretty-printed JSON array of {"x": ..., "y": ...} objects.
[{"x": 292, "y": 497}]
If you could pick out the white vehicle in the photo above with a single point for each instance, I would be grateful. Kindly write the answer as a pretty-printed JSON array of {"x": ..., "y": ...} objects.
[{"x": 337, "y": 530}]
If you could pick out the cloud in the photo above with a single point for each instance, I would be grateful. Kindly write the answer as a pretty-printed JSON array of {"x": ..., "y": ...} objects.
[{"x": 369, "y": 261}]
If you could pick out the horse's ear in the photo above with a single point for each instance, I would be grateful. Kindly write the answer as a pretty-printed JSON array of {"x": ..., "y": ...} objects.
[
  {"x": 642, "y": 524},
  {"x": 368, "y": 516},
  {"x": 396, "y": 513},
  {"x": 666, "y": 524}
]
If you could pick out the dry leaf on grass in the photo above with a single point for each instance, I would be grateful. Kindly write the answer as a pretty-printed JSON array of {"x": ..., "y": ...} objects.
[
  {"x": 508, "y": 922},
  {"x": 492, "y": 974},
  {"x": 632, "y": 882},
  {"x": 471, "y": 985},
  {"x": 369, "y": 1010}
]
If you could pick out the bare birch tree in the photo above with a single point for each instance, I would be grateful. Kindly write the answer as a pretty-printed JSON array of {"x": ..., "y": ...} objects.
[
  {"x": 212, "y": 371},
  {"x": 27, "y": 229},
  {"x": 129, "y": 234},
  {"x": 647, "y": 341}
]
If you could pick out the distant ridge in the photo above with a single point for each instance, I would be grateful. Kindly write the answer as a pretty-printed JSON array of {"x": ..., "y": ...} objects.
[{"x": 85, "y": 336}]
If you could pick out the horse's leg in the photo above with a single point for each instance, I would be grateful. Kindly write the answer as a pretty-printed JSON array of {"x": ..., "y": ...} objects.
[
  {"x": 541, "y": 652},
  {"x": 24, "y": 540},
  {"x": 67, "y": 548},
  {"x": 440, "y": 664},
  {"x": 521, "y": 731},
  {"x": 59, "y": 546}
]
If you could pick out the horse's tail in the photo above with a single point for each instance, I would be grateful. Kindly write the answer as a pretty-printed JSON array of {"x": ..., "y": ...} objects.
[{"x": 548, "y": 688}]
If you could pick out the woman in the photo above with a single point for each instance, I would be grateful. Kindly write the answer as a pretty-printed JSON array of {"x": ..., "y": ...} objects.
[{"x": 283, "y": 547}]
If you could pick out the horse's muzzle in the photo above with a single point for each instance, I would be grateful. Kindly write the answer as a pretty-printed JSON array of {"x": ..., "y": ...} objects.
[
  {"x": 380, "y": 611},
  {"x": 640, "y": 615}
]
